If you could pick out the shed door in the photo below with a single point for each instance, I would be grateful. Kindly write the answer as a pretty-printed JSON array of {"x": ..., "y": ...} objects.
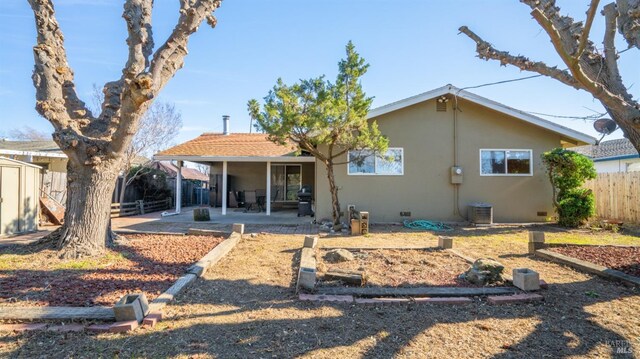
[{"x": 10, "y": 221}]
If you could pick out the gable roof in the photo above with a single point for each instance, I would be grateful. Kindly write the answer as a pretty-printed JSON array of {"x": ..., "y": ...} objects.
[
  {"x": 217, "y": 146},
  {"x": 31, "y": 148},
  {"x": 483, "y": 101},
  {"x": 608, "y": 150}
]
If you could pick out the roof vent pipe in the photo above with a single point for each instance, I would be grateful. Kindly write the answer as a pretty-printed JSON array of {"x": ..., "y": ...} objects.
[{"x": 225, "y": 124}]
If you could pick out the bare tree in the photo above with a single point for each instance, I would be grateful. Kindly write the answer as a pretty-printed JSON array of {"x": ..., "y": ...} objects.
[
  {"x": 96, "y": 144},
  {"x": 28, "y": 133},
  {"x": 206, "y": 169},
  {"x": 588, "y": 68}
]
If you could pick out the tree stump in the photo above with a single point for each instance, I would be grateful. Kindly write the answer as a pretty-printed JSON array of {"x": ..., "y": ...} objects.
[{"x": 201, "y": 215}]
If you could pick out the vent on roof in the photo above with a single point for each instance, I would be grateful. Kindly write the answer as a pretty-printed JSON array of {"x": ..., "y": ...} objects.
[{"x": 441, "y": 104}]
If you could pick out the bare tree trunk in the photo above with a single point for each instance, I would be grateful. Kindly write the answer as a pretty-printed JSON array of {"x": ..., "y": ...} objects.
[
  {"x": 335, "y": 203},
  {"x": 87, "y": 227}
]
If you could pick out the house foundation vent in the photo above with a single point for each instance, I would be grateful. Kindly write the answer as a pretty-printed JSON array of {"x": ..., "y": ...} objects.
[{"x": 480, "y": 213}]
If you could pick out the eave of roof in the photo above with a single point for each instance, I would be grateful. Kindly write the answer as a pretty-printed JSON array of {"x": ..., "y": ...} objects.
[
  {"x": 483, "y": 101},
  {"x": 32, "y": 153}
]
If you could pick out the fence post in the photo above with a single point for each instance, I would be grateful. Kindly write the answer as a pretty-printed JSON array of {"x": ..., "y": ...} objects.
[{"x": 140, "y": 205}]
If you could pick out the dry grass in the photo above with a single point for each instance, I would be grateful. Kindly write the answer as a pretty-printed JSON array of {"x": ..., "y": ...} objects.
[{"x": 245, "y": 307}]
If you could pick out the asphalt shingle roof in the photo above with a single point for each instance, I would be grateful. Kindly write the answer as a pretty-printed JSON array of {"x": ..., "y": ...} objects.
[
  {"x": 34, "y": 146},
  {"x": 607, "y": 149},
  {"x": 231, "y": 145}
]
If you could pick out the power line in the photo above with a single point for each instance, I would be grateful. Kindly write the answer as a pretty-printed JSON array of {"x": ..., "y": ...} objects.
[
  {"x": 595, "y": 116},
  {"x": 500, "y": 82}
]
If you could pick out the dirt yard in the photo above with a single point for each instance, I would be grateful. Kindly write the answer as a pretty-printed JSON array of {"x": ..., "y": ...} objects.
[
  {"x": 33, "y": 276},
  {"x": 245, "y": 307},
  {"x": 401, "y": 268},
  {"x": 624, "y": 259}
]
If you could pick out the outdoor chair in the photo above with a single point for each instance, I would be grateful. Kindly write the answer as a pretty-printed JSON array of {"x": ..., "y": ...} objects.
[
  {"x": 250, "y": 200},
  {"x": 261, "y": 196}
]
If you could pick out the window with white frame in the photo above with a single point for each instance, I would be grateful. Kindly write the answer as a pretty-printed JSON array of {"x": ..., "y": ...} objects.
[
  {"x": 364, "y": 162},
  {"x": 499, "y": 162}
]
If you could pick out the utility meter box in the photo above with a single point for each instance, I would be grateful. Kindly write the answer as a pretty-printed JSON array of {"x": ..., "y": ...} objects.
[{"x": 456, "y": 175}]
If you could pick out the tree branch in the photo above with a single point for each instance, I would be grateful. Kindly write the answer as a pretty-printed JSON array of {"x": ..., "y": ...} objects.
[
  {"x": 56, "y": 98},
  {"x": 584, "y": 37},
  {"x": 610, "y": 55},
  {"x": 487, "y": 52},
  {"x": 137, "y": 14},
  {"x": 169, "y": 58},
  {"x": 629, "y": 21}
]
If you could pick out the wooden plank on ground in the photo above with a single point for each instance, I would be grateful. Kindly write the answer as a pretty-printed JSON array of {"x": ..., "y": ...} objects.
[
  {"x": 53, "y": 210},
  {"x": 57, "y": 313},
  {"x": 416, "y": 291}
]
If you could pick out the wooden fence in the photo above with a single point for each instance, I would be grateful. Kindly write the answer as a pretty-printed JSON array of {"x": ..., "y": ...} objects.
[
  {"x": 54, "y": 185},
  {"x": 617, "y": 196},
  {"x": 138, "y": 207}
]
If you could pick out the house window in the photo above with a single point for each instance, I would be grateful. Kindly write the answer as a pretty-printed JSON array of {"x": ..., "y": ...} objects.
[
  {"x": 497, "y": 162},
  {"x": 363, "y": 162}
]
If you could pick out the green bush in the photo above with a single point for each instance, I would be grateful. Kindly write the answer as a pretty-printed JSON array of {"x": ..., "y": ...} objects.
[
  {"x": 567, "y": 172},
  {"x": 575, "y": 207}
]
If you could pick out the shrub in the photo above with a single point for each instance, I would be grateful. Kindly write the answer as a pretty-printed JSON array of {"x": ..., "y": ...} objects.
[
  {"x": 575, "y": 207},
  {"x": 567, "y": 172}
]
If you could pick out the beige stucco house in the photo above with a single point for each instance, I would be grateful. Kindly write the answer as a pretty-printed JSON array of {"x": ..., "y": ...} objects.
[{"x": 448, "y": 148}]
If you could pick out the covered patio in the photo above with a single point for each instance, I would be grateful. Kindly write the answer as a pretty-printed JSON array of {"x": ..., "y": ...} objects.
[{"x": 250, "y": 175}]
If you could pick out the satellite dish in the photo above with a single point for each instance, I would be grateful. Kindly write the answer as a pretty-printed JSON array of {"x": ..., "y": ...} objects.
[{"x": 605, "y": 126}]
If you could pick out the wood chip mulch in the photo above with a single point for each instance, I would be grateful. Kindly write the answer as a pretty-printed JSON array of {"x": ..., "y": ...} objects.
[
  {"x": 624, "y": 259},
  {"x": 35, "y": 276}
]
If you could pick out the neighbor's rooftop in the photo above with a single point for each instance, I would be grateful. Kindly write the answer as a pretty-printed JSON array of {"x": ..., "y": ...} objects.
[{"x": 611, "y": 149}]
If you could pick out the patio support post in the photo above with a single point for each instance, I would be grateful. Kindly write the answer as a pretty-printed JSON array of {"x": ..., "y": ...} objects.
[
  {"x": 179, "y": 188},
  {"x": 268, "y": 197},
  {"x": 225, "y": 191}
]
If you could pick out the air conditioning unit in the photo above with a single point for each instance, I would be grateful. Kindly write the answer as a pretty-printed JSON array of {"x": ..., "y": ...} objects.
[{"x": 480, "y": 213}]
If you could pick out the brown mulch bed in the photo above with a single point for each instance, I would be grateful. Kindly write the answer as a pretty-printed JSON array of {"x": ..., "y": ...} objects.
[
  {"x": 34, "y": 275},
  {"x": 402, "y": 268},
  {"x": 624, "y": 259}
]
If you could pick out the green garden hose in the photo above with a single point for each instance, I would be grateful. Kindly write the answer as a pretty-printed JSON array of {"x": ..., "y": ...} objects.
[{"x": 427, "y": 225}]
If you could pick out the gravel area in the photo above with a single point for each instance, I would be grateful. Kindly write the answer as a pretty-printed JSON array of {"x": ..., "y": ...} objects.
[
  {"x": 32, "y": 275},
  {"x": 401, "y": 268},
  {"x": 246, "y": 307},
  {"x": 624, "y": 259}
]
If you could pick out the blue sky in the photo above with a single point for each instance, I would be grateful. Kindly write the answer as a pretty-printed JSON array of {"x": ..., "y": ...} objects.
[{"x": 412, "y": 47}]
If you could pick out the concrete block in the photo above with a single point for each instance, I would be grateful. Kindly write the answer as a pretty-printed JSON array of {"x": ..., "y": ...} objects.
[
  {"x": 25, "y": 327},
  {"x": 66, "y": 328},
  {"x": 238, "y": 228},
  {"x": 99, "y": 328},
  {"x": 536, "y": 237},
  {"x": 125, "y": 326},
  {"x": 445, "y": 242},
  {"x": 514, "y": 299},
  {"x": 310, "y": 241},
  {"x": 445, "y": 300},
  {"x": 307, "y": 278},
  {"x": 131, "y": 307},
  {"x": 526, "y": 279}
]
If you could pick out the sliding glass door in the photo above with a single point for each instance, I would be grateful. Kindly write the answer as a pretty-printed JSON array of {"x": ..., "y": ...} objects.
[{"x": 286, "y": 181}]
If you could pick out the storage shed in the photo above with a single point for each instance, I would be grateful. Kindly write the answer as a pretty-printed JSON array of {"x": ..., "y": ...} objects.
[{"x": 19, "y": 193}]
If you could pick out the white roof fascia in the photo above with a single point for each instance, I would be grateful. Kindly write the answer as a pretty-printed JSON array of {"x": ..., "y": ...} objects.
[
  {"x": 21, "y": 162},
  {"x": 483, "y": 101},
  {"x": 32, "y": 153},
  {"x": 235, "y": 158}
]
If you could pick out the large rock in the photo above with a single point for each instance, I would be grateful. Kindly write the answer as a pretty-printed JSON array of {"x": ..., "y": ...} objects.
[
  {"x": 484, "y": 271},
  {"x": 338, "y": 255}
]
